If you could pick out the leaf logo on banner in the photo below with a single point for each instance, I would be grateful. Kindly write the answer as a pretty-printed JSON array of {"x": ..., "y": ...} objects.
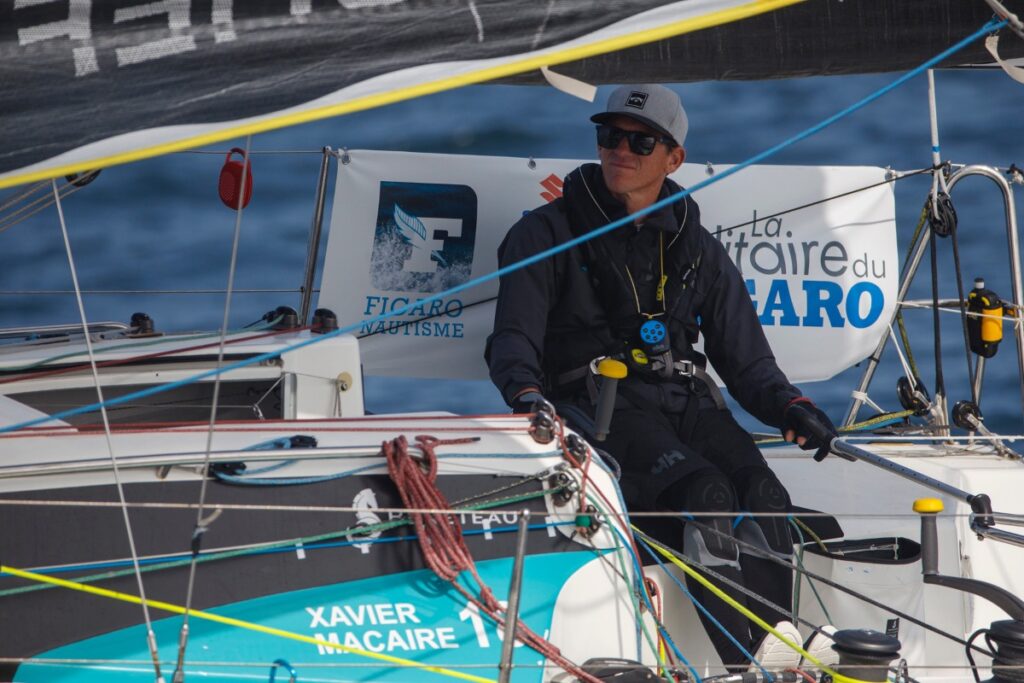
[{"x": 409, "y": 225}]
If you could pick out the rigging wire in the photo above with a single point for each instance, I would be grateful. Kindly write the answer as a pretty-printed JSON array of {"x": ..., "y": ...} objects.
[
  {"x": 150, "y": 634},
  {"x": 132, "y": 359},
  {"x": 38, "y": 205},
  {"x": 314, "y": 542},
  {"x": 202, "y": 522},
  {"x": 250, "y": 626},
  {"x": 122, "y": 292},
  {"x": 547, "y": 253},
  {"x": 837, "y": 586},
  {"x": 894, "y": 177}
]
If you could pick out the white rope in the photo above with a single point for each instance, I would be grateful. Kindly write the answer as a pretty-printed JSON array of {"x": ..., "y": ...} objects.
[
  {"x": 558, "y": 514},
  {"x": 950, "y": 307},
  {"x": 863, "y": 397},
  {"x": 150, "y": 635},
  {"x": 201, "y": 521},
  {"x": 938, "y": 178},
  {"x": 899, "y": 352}
]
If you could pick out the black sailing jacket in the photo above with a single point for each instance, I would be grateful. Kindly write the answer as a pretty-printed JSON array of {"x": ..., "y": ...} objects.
[{"x": 559, "y": 314}]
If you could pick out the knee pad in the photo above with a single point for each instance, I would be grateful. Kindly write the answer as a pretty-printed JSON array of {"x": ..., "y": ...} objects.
[
  {"x": 710, "y": 492},
  {"x": 761, "y": 491}
]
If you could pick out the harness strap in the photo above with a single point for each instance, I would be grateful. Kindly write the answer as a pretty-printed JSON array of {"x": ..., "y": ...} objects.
[{"x": 683, "y": 369}]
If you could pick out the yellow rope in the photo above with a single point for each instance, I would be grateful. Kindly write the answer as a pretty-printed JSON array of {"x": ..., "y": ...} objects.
[
  {"x": 697, "y": 576},
  {"x": 810, "y": 532},
  {"x": 480, "y": 75},
  {"x": 209, "y": 616},
  {"x": 857, "y": 426}
]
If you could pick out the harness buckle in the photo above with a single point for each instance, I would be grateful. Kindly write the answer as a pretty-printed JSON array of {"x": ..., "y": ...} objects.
[
  {"x": 684, "y": 368},
  {"x": 594, "y": 363}
]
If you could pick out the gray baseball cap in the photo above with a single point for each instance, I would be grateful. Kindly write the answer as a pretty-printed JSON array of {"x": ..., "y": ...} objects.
[{"x": 651, "y": 104}]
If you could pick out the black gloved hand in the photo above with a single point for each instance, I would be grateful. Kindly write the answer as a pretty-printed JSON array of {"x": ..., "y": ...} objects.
[
  {"x": 804, "y": 420},
  {"x": 524, "y": 403}
]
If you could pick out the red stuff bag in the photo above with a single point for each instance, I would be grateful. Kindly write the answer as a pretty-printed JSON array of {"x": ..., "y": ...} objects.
[{"x": 230, "y": 183}]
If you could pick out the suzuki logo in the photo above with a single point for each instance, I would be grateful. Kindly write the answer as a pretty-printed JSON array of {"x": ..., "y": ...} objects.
[{"x": 553, "y": 188}]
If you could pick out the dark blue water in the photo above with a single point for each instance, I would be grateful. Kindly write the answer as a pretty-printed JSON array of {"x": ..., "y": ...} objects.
[{"x": 159, "y": 225}]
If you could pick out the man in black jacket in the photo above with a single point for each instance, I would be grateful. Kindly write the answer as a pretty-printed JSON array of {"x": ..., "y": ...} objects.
[{"x": 644, "y": 293}]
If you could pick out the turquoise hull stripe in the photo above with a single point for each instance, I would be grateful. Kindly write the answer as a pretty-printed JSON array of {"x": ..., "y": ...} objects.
[{"x": 412, "y": 615}]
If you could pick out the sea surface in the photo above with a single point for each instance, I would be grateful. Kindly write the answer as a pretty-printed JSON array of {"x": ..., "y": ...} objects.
[{"x": 158, "y": 225}]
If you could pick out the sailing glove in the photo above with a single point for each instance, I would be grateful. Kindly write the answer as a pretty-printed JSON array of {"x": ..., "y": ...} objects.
[
  {"x": 525, "y": 401},
  {"x": 804, "y": 419}
]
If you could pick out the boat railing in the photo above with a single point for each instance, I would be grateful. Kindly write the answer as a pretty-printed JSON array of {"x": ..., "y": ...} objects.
[
  {"x": 60, "y": 330},
  {"x": 1013, "y": 243}
]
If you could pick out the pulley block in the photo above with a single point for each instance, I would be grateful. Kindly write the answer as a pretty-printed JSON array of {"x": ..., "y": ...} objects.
[
  {"x": 324, "y": 321},
  {"x": 967, "y": 415},
  {"x": 913, "y": 396},
  {"x": 285, "y": 316},
  {"x": 941, "y": 215},
  {"x": 542, "y": 426},
  {"x": 84, "y": 178},
  {"x": 142, "y": 326}
]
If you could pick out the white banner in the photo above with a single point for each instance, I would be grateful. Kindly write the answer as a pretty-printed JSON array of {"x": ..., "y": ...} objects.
[{"x": 406, "y": 226}]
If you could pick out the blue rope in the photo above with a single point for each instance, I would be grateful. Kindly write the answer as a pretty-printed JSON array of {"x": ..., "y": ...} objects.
[
  {"x": 67, "y": 569},
  {"x": 291, "y": 481},
  {"x": 248, "y": 480},
  {"x": 704, "y": 610},
  {"x": 547, "y": 253},
  {"x": 643, "y": 593}
]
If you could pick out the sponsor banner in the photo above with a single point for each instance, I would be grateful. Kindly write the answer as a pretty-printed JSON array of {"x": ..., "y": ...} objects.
[{"x": 823, "y": 278}]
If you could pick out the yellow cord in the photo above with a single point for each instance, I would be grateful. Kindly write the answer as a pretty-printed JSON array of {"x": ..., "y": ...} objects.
[
  {"x": 810, "y": 532},
  {"x": 209, "y": 616},
  {"x": 693, "y": 573}
]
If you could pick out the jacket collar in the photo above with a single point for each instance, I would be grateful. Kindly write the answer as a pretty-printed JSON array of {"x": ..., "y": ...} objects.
[{"x": 666, "y": 219}]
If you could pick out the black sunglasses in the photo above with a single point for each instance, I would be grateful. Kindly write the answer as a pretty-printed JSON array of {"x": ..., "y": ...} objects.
[{"x": 640, "y": 142}]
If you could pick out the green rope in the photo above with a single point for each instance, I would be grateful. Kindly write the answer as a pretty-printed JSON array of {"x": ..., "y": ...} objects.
[
  {"x": 918, "y": 231},
  {"x": 797, "y": 524},
  {"x": 861, "y": 426},
  {"x": 305, "y": 540},
  {"x": 633, "y": 594}
]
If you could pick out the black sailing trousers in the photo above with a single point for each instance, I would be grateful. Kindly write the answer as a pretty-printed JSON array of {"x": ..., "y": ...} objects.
[{"x": 702, "y": 461}]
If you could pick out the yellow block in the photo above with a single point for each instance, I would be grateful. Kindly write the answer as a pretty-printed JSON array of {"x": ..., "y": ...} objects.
[{"x": 928, "y": 505}]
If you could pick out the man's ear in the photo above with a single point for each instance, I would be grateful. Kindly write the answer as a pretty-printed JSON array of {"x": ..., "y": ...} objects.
[{"x": 676, "y": 157}]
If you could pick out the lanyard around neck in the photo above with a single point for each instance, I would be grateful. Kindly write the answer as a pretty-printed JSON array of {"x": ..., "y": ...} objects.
[{"x": 660, "y": 293}]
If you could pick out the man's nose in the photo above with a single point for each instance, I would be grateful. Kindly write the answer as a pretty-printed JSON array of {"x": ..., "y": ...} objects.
[{"x": 623, "y": 143}]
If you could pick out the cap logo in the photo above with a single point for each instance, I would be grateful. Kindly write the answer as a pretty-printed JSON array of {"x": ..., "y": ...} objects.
[{"x": 636, "y": 99}]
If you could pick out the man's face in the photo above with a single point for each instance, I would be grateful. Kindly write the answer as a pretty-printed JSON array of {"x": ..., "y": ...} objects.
[{"x": 626, "y": 173}]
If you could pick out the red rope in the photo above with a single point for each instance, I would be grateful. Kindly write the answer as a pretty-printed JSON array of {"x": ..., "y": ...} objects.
[{"x": 441, "y": 541}]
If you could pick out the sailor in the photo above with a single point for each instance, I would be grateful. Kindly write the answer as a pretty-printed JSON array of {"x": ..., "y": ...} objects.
[{"x": 645, "y": 293}]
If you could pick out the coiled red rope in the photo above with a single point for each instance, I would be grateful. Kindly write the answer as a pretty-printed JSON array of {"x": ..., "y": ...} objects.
[{"x": 441, "y": 541}]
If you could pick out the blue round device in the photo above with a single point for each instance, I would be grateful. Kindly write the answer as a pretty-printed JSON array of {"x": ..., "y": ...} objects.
[{"x": 652, "y": 332}]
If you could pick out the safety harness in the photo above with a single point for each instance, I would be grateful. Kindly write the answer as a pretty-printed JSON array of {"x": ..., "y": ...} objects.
[{"x": 650, "y": 357}]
